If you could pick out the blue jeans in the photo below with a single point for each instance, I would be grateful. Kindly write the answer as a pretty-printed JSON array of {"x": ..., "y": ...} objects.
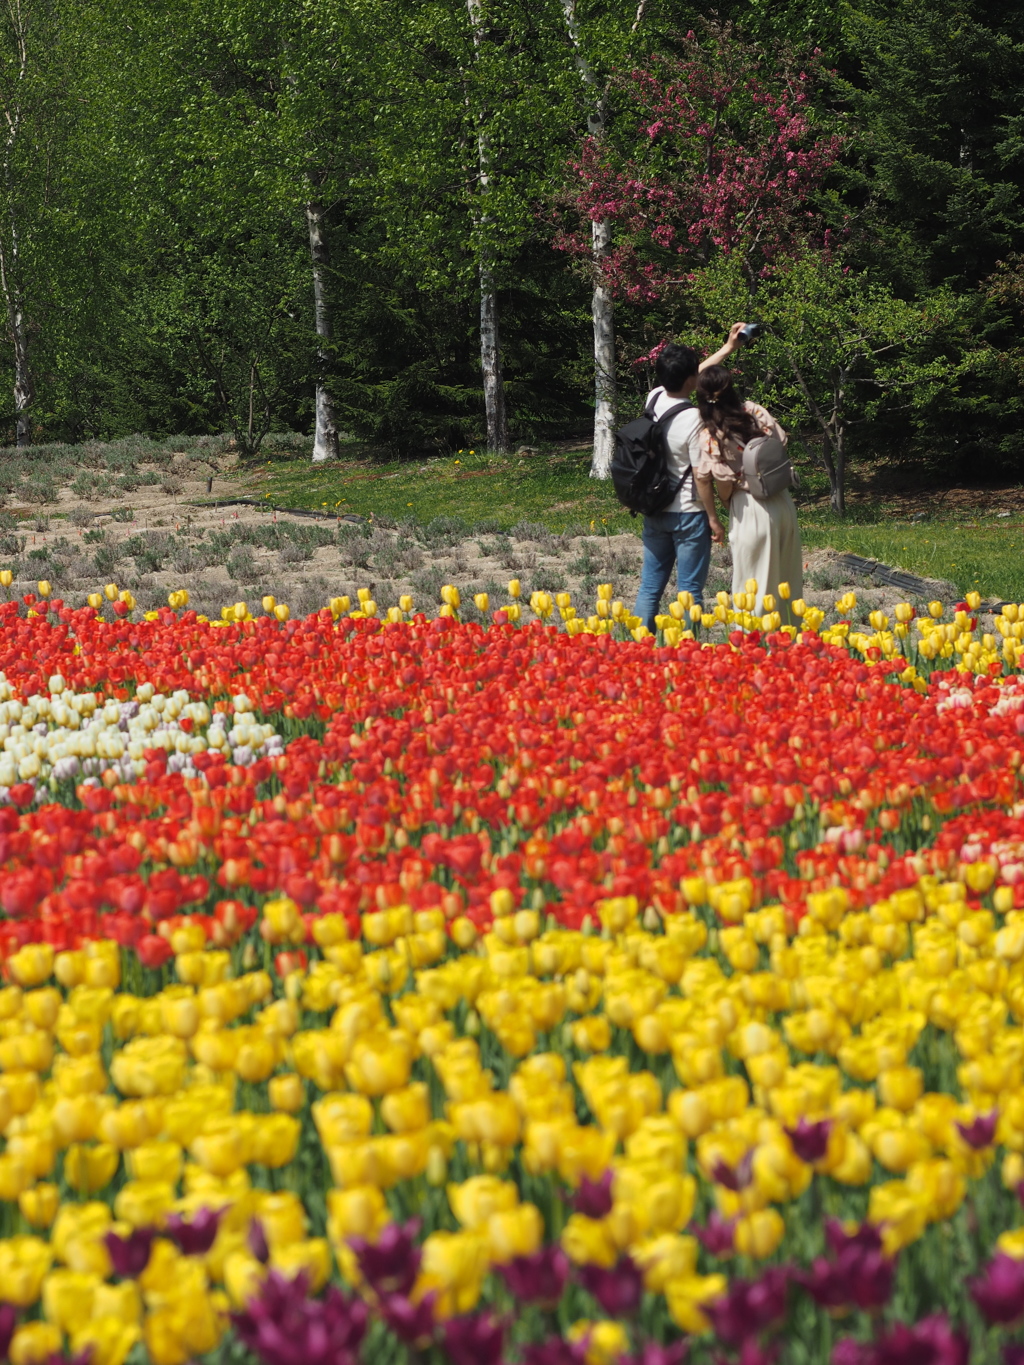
[{"x": 673, "y": 539}]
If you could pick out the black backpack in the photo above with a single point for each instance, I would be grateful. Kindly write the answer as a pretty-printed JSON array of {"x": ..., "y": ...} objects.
[{"x": 640, "y": 469}]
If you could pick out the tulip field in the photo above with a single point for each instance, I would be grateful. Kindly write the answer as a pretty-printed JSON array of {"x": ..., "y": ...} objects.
[{"x": 380, "y": 988}]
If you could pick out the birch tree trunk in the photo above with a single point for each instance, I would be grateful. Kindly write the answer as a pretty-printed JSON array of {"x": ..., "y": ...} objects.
[
  {"x": 325, "y": 441},
  {"x": 603, "y": 309},
  {"x": 10, "y": 245},
  {"x": 490, "y": 326},
  {"x": 602, "y": 304}
]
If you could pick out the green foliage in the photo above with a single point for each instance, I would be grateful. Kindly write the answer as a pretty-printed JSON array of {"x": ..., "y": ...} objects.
[{"x": 170, "y": 150}]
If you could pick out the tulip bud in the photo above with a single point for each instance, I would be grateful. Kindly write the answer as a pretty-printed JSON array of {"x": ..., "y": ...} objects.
[
  {"x": 405, "y": 602},
  {"x": 973, "y": 600},
  {"x": 44, "y": 588},
  {"x": 463, "y": 932},
  {"x": 6, "y": 578},
  {"x": 768, "y": 602},
  {"x": 935, "y": 609},
  {"x": 269, "y": 602},
  {"x": 110, "y": 592},
  {"x": 514, "y": 587},
  {"x": 287, "y": 1093},
  {"x": 481, "y": 601},
  {"x": 437, "y": 1167},
  {"x": 282, "y": 611},
  {"x": 363, "y": 594}
]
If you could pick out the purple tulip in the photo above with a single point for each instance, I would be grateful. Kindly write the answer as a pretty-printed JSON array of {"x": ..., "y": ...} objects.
[
  {"x": 810, "y": 1140},
  {"x": 999, "y": 1293},
  {"x": 539, "y": 1278},
  {"x": 258, "y": 1244},
  {"x": 411, "y": 1322},
  {"x": 390, "y": 1265},
  {"x": 929, "y": 1342},
  {"x": 654, "y": 1354},
  {"x": 717, "y": 1234},
  {"x": 749, "y": 1306},
  {"x": 618, "y": 1290},
  {"x": 594, "y": 1197},
  {"x": 858, "y": 1275},
  {"x": 555, "y": 1351},
  {"x": 283, "y": 1326},
  {"x": 736, "y": 1177},
  {"x": 849, "y": 1351},
  {"x": 8, "y": 1322},
  {"x": 474, "y": 1340},
  {"x": 195, "y": 1237},
  {"x": 130, "y": 1255},
  {"x": 867, "y": 1237},
  {"x": 981, "y": 1132},
  {"x": 754, "y": 1352}
]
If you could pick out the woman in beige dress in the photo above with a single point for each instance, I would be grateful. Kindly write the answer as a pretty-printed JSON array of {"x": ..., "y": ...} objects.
[{"x": 764, "y": 537}]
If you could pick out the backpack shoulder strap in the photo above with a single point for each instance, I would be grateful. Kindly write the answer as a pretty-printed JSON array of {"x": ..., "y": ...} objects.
[{"x": 673, "y": 412}]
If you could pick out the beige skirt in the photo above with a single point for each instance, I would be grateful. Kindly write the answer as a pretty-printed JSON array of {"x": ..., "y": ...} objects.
[{"x": 764, "y": 539}]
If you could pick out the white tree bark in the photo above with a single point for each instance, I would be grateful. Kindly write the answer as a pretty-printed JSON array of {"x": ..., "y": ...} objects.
[
  {"x": 603, "y": 309},
  {"x": 602, "y": 304},
  {"x": 490, "y": 324},
  {"x": 10, "y": 244},
  {"x": 325, "y": 441}
]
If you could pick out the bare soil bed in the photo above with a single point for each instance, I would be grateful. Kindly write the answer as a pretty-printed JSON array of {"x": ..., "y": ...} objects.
[{"x": 146, "y": 518}]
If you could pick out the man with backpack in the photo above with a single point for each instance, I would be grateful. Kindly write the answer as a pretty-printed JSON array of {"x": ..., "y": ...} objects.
[{"x": 653, "y": 475}]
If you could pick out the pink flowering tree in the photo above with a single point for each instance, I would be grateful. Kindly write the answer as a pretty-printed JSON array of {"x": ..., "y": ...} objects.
[{"x": 713, "y": 151}]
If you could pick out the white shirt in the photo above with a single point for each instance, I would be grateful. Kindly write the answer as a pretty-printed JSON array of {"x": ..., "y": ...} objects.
[{"x": 683, "y": 441}]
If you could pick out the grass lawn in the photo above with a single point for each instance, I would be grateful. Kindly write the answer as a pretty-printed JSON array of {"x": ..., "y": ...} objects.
[
  {"x": 973, "y": 550},
  {"x": 982, "y": 553},
  {"x": 552, "y": 488}
]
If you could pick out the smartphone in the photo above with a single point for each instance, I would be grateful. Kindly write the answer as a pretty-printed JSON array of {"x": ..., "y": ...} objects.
[{"x": 750, "y": 331}]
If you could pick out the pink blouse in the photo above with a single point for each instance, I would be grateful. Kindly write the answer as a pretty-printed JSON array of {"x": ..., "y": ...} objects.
[{"x": 724, "y": 462}]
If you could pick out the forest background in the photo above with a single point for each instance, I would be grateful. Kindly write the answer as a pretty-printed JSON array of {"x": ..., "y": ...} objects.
[{"x": 434, "y": 223}]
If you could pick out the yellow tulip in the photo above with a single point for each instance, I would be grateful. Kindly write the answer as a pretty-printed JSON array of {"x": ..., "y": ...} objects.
[
  {"x": 685, "y": 1296},
  {"x": 275, "y": 1140},
  {"x": 379, "y": 1063},
  {"x": 287, "y": 1093},
  {"x": 78, "y": 1223},
  {"x": 155, "y": 1161},
  {"x": 15, "y": 1177},
  {"x": 39, "y": 1205},
  {"x": 514, "y": 1232},
  {"x": 32, "y": 964},
  {"x": 34, "y": 1343},
  {"x": 312, "y": 1258},
  {"x": 475, "y": 1200},
  {"x": 453, "y": 1265},
  {"x": 407, "y": 1110},
  {"x": 358, "y": 1212},
  {"x": 283, "y": 1218},
  {"x": 605, "y": 1341},
  {"x": 68, "y": 1297},
  {"x": 24, "y": 1262},
  {"x": 107, "y": 1339},
  {"x": 759, "y": 1233},
  {"x": 144, "y": 1203},
  {"x": 588, "y": 1241},
  {"x": 88, "y": 1169}
]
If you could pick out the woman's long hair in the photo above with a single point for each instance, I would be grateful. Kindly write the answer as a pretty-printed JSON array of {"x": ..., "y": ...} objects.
[{"x": 721, "y": 409}]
